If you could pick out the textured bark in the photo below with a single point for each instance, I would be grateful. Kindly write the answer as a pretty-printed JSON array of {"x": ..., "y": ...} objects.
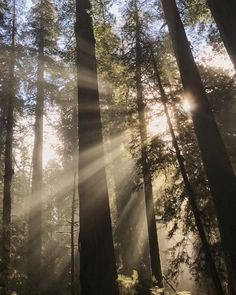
[
  {"x": 73, "y": 207},
  {"x": 35, "y": 212},
  {"x": 219, "y": 171},
  {"x": 148, "y": 190},
  {"x": 2, "y": 129},
  {"x": 189, "y": 189},
  {"x": 72, "y": 234},
  {"x": 97, "y": 267},
  {"x": 6, "y": 221},
  {"x": 224, "y": 14}
]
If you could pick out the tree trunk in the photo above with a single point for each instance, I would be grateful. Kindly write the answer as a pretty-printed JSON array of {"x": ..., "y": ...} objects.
[
  {"x": 2, "y": 129},
  {"x": 123, "y": 187},
  {"x": 189, "y": 189},
  {"x": 148, "y": 190},
  {"x": 72, "y": 235},
  {"x": 98, "y": 267},
  {"x": 125, "y": 216},
  {"x": 6, "y": 221},
  {"x": 219, "y": 171},
  {"x": 74, "y": 285},
  {"x": 35, "y": 212},
  {"x": 224, "y": 14}
]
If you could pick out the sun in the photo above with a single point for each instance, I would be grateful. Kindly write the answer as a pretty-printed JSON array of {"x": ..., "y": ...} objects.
[
  {"x": 158, "y": 125},
  {"x": 186, "y": 105}
]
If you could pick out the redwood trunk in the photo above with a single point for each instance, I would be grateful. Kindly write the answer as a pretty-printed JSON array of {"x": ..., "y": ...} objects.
[
  {"x": 35, "y": 213},
  {"x": 97, "y": 266},
  {"x": 72, "y": 234},
  {"x": 6, "y": 221}
]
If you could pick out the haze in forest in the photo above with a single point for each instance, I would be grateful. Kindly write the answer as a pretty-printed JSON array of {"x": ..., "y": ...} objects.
[{"x": 117, "y": 147}]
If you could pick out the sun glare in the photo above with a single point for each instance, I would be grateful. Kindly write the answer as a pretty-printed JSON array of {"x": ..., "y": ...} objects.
[
  {"x": 158, "y": 125},
  {"x": 51, "y": 142},
  {"x": 209, "y": 57},
  {"x": 186, "y": 105}
]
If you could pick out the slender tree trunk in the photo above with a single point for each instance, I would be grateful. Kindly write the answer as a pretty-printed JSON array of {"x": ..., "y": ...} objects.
[
  {"x": 2, "y": 130},
  {"x": 35, "y": 213},
  {"x": 6, "y": 221},
  {"x": 123, "y": 188},
  {"x": 219, "y": 171},
  {"x": 74, "y": 289},
  {"x": 148, "y": 190},
  {"x": 2, "y": 120},
  {"x": 123, "y": 233},
  {"x": 72, "y": 234},
  {"x": 98, "y": 267},
  {"x": 189, "y": 189},
  {"x": 224, "y": 14}
]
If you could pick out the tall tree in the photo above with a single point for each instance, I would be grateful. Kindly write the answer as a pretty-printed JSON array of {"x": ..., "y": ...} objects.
[
  {"x": 147, "y": 177},
  {"x": 4, "y": 73},
  {"x": 221, "y": 178},
  {"x": 43, "y": 32},
  {"x": 188, "y": 186},
  {"x": 6, "y": 223},
  {"x": 111, "y": 72},
  {"x": 224, "y": 16},
  {"x": 98, "y": 267},
  {"x": 72, "y": 233}
]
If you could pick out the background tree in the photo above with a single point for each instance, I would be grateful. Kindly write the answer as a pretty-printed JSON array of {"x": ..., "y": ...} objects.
[
  {"x": 6, "y": 236},
  {"x": 43, "y": 30}
]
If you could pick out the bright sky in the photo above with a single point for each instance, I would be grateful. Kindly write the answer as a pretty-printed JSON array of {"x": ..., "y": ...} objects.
[
  {"x": 51, "y": 140},
  {"x": 218, "y": 60}
]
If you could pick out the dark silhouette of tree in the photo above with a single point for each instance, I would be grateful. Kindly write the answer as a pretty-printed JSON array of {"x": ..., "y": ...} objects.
[
  {"x": 43, "y": 31},
  {"x": 97, "y": 267},
  {"x": 8, "y": 172},
  {"x": 224, "y": 16}
]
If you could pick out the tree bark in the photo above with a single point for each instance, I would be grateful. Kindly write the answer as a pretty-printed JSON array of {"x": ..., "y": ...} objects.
[
  {"x": 6, "y": 221},
  {"x": 189, "y": 189},
  {"x": 35, "y": 211},
  {"x": 148, "y": 190},
  {"x": 2, "y": 129},
  {"x": 97, "y": 267},
  {"x": 74, "y": 288},
  {"x": 219, "y": 171},
  {"x": 72, "y": 235},
  {"x": 224, "y": 14}
]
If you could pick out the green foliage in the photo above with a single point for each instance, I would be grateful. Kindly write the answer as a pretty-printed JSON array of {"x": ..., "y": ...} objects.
[
  {"x": 43, "y": 23},
  {"x": 3, "y": 10},
  {"x": 195, "y": 12},
  {"x": 157, "y": 291},
  {"x": 128, "y": 284}
]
